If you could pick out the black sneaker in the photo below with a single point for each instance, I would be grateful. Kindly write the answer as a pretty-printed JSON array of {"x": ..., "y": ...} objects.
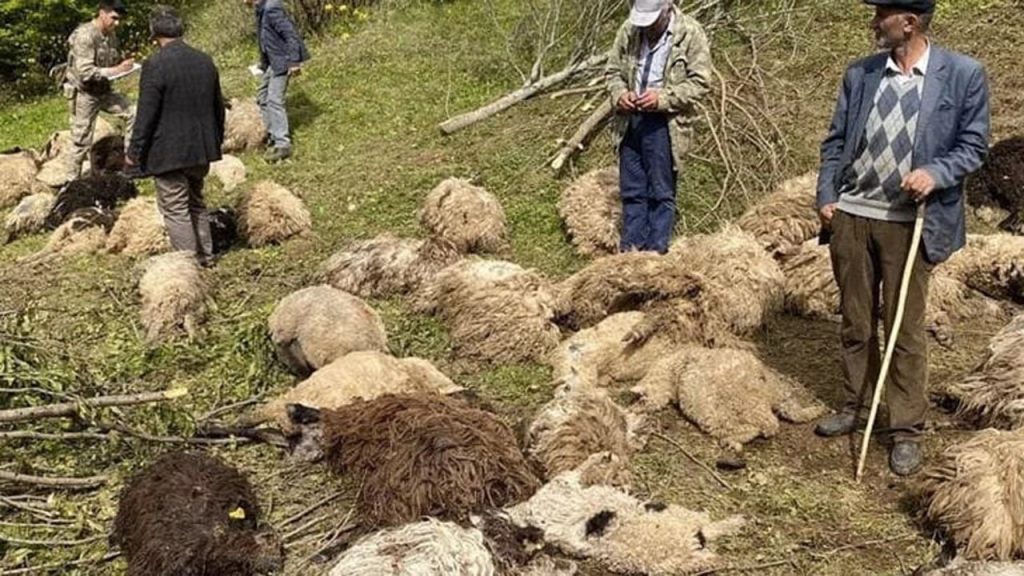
[{"x": 838, "y": 425}]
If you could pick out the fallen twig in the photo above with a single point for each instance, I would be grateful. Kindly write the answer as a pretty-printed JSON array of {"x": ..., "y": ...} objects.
[
  {"x": 53, "y": 481},
  {"x": 32, "y": 435},
  {"x": 309, "y": 509},
  {"x": 55, "y": 565},
  {"x": 47, "y": 543},
  {"x": 693, "y": 459},
  {"x": 72, "y": 408}
]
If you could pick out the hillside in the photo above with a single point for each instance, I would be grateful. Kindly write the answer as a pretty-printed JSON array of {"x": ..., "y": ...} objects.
[{"x": 364, "y": 115}]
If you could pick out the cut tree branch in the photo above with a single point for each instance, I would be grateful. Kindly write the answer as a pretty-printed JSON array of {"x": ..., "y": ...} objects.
[
  {"x": 53, "y": 481},
  {"x": 73, "y": 408},
  {"x": 575, "y": 144}
]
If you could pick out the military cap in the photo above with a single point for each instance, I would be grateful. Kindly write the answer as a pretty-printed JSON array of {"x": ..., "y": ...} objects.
[
  {"x": 115, "y": 5},
  {"x": 918, "y": 6}
]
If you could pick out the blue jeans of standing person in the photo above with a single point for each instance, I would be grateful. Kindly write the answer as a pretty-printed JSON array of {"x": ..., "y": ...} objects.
[
  {"x": 647, "y": 184},
  {"x": 270, "y": 97}
]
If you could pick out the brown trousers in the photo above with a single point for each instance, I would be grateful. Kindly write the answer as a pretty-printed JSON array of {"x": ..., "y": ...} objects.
[
  {"x": 179, "y": 194},
  {"x": 868, "y": 257}
]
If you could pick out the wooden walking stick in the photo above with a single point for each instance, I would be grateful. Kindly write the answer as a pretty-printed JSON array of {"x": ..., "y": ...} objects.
[{"x": 890, "y": 344}]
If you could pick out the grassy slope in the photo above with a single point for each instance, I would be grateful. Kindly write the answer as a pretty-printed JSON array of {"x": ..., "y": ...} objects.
[{"x": 364, "y": 118}]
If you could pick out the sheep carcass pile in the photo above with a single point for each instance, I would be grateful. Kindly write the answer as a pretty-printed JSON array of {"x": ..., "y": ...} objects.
[
  {"x": 786, "y": 218},
  {"x": 993, "y": 394}
]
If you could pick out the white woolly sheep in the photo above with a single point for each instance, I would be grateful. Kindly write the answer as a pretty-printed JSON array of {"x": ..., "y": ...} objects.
[
  {"x": 317, "y": 325},
  {"x": 993, "y": 394},
  {"x": 139, "y": 230},
  {"x": 17, "y": 177},
  {"x": 229, "y": 170},
  {"x": 387, "y": 265},
  {"x": 729, "y": 394},
  {"x": 468, "y": 216},
  {"x": 429, "y": 547},
  {"x": 495, "y": 311},
  {"x": 29, "y": 216},
  {"x": 991, "y": 264},
  {"x": 174, "y": 296},
  {"x": 84, "y": 232},
  {"x": 56, "y": 155},
  {"x": 269, "y": 214},
  {"x": 591, "y": 211},
  {"x": 358, "y": 376},
  {"x": 975, "y": 493},
  {"x": 243, "y": 126},
  {"x": 786, "y": 218}
]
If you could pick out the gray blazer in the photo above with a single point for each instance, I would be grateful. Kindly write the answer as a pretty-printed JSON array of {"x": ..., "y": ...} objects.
[
  {"x": 280, "y": 43},
  {"x": 951, "y": 140}
]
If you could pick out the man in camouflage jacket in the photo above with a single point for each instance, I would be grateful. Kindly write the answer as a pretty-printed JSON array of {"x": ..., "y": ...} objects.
[
  {"x": 659, "y": 68},
  {"x": 94, "y": 57}
]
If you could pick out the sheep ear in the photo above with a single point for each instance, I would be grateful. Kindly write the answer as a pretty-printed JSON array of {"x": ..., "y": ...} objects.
[{"x": 299, "y": 414}]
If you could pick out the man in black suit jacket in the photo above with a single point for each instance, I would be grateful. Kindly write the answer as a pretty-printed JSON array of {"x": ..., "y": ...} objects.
[{"x": 178, "y": 131}]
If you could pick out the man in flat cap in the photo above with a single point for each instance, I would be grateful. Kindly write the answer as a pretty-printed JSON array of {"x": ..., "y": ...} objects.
[
  {"x": 659, "y": 68},
  {"x": 94, "y": 57},
  {"x": 910, "y": 124}
]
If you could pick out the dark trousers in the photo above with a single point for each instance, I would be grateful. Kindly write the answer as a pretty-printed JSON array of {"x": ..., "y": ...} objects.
[
  {"x": 868, "y": 257},
  {"x": 647, "y": 183},
  {"x": 179, "y": 195}
]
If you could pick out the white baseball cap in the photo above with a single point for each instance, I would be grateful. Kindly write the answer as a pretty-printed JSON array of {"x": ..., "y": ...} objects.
[{"x": 645, "y": 12}]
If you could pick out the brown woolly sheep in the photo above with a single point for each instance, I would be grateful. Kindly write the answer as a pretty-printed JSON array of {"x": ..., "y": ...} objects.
[
  {"x": 29, "y": 216},
  {"x": 269, "y": 214},
  {"x": 317, "y": 325},
  {"x": 387, "y": 265},
  {"x": 428, "y": 547},
  {"x": 243, "y": 127},
  {"x": 993, "y": 394},
  {"x": 961, "y": 568},
  {"x": 999, "y": 185},
  {"x": 975, "y": 494},
  {"x": 188, "y": 513},
  {"x": 468, "y": 216},
  {"x": 992, "y": 265},
  {"x": 229, "y": 170},
  {"x": 421, "y": 455},
  {"x": 17, "y": 177},
  {"x": 591, "y": 211},
  {"x": 786, "y": 218},
  {"x": 56, "y": 155},
  {"x": 729, "y": 394},
  {"x": 139, "y": 230},
  {"x": 362, "y": 375},
  {"x": 495, "y": 311},
  {"x": 84, "y": 232},
  {"x": 174, "y": 296},
  {"x": 626, "y": 535}
]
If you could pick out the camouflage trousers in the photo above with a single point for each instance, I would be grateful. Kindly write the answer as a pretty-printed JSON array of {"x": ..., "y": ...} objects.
[{"x": 84, "y": 109}]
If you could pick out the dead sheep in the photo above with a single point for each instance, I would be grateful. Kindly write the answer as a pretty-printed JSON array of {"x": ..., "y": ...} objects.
[
  {"x": 993, "y": 394},
  {"x": 729, "y": 394},
  {"x": 591, "y": 211},
  {"x": 96, "y": 190},
  {"x": 387, "y": 265},
  {"x": 961, "y": 568},
  {"x": 581, "y": 421},
  {"x": 188, "y": 513},
  {"x": 810, "y": 287},
  {"x": 999, "y": 185},
  {"x": 230, "y": 171},
  {"x": 975, "y": 495},
  {"x": 420, "y": 455},
  {"x": 84, "y": 232},
  {"x": 626, "y": 535},
  {"x": 270, "y": 214},
  {"x": 468, "y": 216},
  {"x": 29, "y": 216},
  {"x": 787, "y": 217},
  {"x": 992, "y": 265},
  {"x": 243, "y": 127},
  {"x": 495, "y": 311},
  {"x": 106, "y": 155},
  {"x": 223, "y": 228},
  {"x": 317, "y": 325},
  {"x": 362, "y": 375},
  {"x": 56, "y": 154},
  {"x": 139, "y": 230},
  {"x": 174, "y": 296},
  {"x": 17, "y": 177},
  {"x": 743, "y": 285}
]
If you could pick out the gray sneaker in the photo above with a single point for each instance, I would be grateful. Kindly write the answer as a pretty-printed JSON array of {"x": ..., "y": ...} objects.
[
  {"x": 277, "y": 154},
  {"x": 905, "y": 457}
]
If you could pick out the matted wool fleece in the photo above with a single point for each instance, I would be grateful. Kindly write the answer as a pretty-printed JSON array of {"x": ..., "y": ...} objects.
[
  {"x": 29, "y": 216},
  {"x": 174, "y": 295},
  {"x": 56, "y": 154},
  {"x": 468, "y": 216},
  {"x": 139, "y": 230},
  {"x": 993, "y": 264},
  {"x": 975, "y": 493},
  {"x": 387, "y": 265},
  {"x": 425, "y": 455},
  {"x": 993, "y": 393},
  {"x": 17, "y": 177},
  {"x": 729, "y": 394},
  {"x": 591, "y": 211},
  {"x": 269, "y": 214},
  {"x": 362, "y": 375},
  {"x": 84, "y": 232},
  {"x": 424, "y": 548},
  {"x": 785, "y": 218},
  {"x": 243, "y": 126},
  {"x": 230, "y": 171},
  {"x": 315, "y": 326}
]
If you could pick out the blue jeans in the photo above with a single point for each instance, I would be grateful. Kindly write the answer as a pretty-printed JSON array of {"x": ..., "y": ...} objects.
[
  {"x": 647, "y": 184},
  {"x": 270, "y": 97}
]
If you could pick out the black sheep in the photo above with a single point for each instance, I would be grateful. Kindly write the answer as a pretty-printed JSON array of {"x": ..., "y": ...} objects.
[
  {"x": 107, "y": 155},
  {"x": 94, "y": 191},
  {"x": 223, "y": 228},
  {"x": 1000, "y": 183},
  {"x": 189, "y": 514}
]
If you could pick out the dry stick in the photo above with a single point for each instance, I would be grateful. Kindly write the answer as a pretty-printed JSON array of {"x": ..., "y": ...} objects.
[
  {"x": 54, "y": 481},
  {"x": 20, "y": 542},
  {"x": 461, "y": 121},
  {"x": 304, "y": 527},
  {"x": 72, "y": 408},
  {"x": 693, "y": 459},
  {"x": 47, "y": 567},
  {"x": 309, "y": 509},
  {"x": 589, "y": 126},
  {"x": 31, "y": 435},
  {"x": 218, "y": 411},
  {"x": 170, "y": 439}
]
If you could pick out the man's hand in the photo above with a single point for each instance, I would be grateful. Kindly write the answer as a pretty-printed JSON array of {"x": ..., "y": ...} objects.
[
  {"x": 294, "y": 70},
  {"x": 919, "y": 184},
  {"x": 125, "y": 66},
  {"x": 826, "y": 213},
  {"x": 648, "y": 100},
  {"x": 627, "y": 102}
]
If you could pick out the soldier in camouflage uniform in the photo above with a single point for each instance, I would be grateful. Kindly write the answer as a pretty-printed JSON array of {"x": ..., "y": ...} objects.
[
  {"x": 659, "y": 68},
  {"x": 94, "y": 57}
]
